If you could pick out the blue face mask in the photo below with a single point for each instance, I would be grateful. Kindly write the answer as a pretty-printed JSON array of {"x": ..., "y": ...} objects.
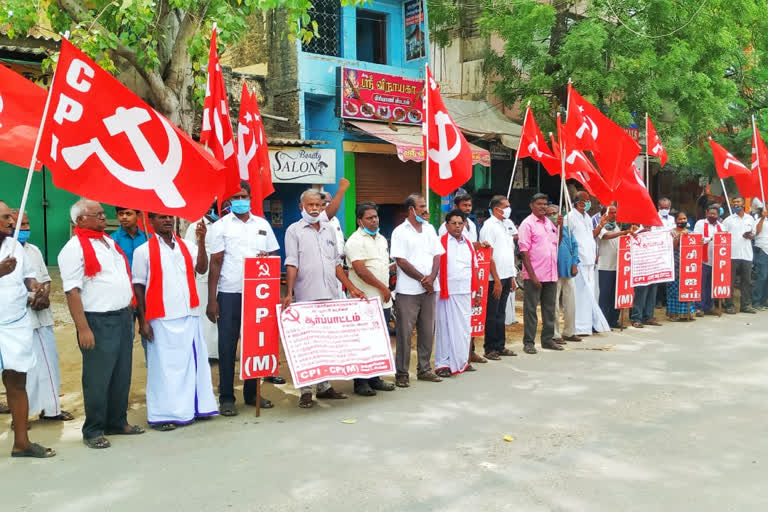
[
  {"x": 372, "y": 233},
  {"x": 721, "y": 211},
  {"x": 419, "y": 218},
  {"x": 587, "y": 205},
  {"x": 23, "y": 236},
  {"x": 241, "y": 206},
  {"x": 737, "y": 209},
  {"x": 213, "y": 215}
]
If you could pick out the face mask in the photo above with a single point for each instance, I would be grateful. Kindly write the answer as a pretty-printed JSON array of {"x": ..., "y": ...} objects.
[
  {"x": 213, "y": 215},
  {"x": 610, "y": 226},
  {"x": 553, "y": 218},
  {"x": 241, "y": 206},
  {"x": 506, "y": 212},
  {"x": 682, "y": 224},
  {"x": 664, "y": 212},
  {"x": 721, "y": 211},
  {"x": 587, "y": 205},
  {"x": 737, "y": 209},
  {"x": 419, "y": 218},
  {"x": 368, "y": 231},
  {"x": 23, "y": 236},
  {"x": 307, "y": 217}
]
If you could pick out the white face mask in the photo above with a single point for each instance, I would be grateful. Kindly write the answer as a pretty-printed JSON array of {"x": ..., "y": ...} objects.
[
  {"x": 506, "y": 212},
  {"x": 309, "y": 218},
  {"x": 664, "y": 212}
]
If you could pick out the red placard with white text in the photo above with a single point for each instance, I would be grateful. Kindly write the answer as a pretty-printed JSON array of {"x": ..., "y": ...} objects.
[
  {"x": 483, "y": 275},
  {"x": 335, "y": 340},
  {"x": 258, "y": 330},
  {"x": 691, "y": 254},
  {"x": 625, "y": 294},
  {"x": 721, "y": 266}
]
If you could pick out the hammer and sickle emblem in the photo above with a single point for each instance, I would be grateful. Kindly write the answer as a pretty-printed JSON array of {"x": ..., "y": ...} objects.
[
  {"x": 533, "y": 148},
  {"x": 290, "y": 315},
  {"x": 587, "y": 124},
  {"x": 445, "y": 155},
  {"x": 244, "y": 157},
  {"x": 156, "y": 175},
  {"x": 263, "y": 270},
  {"x": 729, "y": 159}
]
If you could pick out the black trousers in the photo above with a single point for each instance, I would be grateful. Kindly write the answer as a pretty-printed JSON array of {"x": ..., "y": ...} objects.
[
  {"x": 606, "y": 280},
  {"x": 372, "y": 380},
  {"x": 532, "y": 296},
  {"x": 742, "y": 269},
  {"x": 107, "y": 372},
  {"x": 494, "y": 317},
  {"x": 228, "y": 326}
]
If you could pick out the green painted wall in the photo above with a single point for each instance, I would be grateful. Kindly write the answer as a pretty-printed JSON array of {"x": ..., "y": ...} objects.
[{"x": 51, "y": 208}]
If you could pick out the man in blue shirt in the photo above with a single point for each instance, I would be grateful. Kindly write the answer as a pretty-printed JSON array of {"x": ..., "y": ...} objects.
[
  {"x": 567, "y": 261},
  {"x": 128, "y": 237}
]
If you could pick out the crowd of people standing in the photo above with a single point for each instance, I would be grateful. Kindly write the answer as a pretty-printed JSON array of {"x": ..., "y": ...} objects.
[{"x": 185, "y": 295}]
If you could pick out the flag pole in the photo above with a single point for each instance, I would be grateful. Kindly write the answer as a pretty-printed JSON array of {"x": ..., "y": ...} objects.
[
  {"x": 562, "y": 162},
  {"x": 519, "y": 145},
  {"x": 425, "y": 127},
  {"x": 31, "y": 170},
  {"x": 757, "y": 149},
  {"x": 725, "y": 193},
  {"x": 647, "y": 168}
]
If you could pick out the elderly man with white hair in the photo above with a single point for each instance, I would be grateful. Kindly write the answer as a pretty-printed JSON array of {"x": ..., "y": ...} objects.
[{"x": 97, "y": 281}]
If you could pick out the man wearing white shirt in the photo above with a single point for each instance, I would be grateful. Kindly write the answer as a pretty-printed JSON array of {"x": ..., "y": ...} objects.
[
  {"x": 416, "y": 250},
  {"x": 97, "y": 281},
  {"x": 589, "y": 317},
  {"x": 499, "y": 232},
  {"x": 707, "y": 228},
  {"x": 664, "y": 206},
  {"x": 463, "y": 202},
  {"x": 44, "y": 379},
  {"x": 17, "y": 277},
  {"x": 742, "y": 229},
  {"x": 760, "y": 286},
  {"x": 210, "y": 331},
  {"x": 236, "y": 236},
  {"x": 179, "y": 388}
]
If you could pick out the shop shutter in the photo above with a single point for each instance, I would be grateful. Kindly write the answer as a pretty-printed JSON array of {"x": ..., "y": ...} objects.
[{"x": 384, "y": 179}]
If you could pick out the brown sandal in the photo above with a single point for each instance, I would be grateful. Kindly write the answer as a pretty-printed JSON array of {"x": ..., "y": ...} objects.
[
  {"x": 507, "y": 352},
  {"x": 330, "y": 394},
  {"x": 306, "y": 402},
  {"x": 493, "y": 356}
]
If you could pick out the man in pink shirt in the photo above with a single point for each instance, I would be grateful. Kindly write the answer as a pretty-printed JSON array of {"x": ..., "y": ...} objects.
[{"x": 538, "y": 242}]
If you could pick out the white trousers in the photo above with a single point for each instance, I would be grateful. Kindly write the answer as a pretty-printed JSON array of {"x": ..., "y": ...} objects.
[
  {"x": 566, "y": 293},
  {"x": 44, "y": 379}
]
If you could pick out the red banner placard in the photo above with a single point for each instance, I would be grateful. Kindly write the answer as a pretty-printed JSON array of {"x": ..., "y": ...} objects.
[
  {"x": 721, "y": 266},
  {"x": 261, "y": 339},
  {"x": 691, "y": 253},
  {"x": 625, "y": 294},
  {"x": 483, "y": 275},
  {"x": 371, "y": 96}
]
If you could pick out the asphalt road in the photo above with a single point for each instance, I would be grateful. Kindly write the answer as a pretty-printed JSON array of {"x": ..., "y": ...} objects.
[{"x": 669, "y": 418}]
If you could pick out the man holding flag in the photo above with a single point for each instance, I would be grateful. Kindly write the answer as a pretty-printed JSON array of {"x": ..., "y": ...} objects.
[{"x": 742, "y": 229}]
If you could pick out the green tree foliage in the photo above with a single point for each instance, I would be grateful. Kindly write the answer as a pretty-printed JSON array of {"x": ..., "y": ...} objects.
[
  {"x": 698, "y": 67},
  {"x": 165, "y": 42}
]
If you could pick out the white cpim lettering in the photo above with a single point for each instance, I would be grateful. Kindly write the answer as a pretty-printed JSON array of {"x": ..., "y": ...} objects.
[
  {"x": 262, "y": 291},
  {"x": 67, "y": 110},
  {"x": 261, "y": 313},
  {"x": 75, "y": 73}
]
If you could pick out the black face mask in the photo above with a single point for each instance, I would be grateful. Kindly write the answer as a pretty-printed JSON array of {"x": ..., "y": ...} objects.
[{"x": 682, "y": 224}]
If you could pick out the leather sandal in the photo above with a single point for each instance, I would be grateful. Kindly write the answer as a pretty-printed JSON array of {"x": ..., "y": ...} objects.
[
  {"x": 330, "y": 394},
  {"x": 507, "y": 352},
  {"x": 493, "y": 355}
]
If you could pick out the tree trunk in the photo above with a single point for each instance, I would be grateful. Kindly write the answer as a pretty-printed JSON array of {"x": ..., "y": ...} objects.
[{"x": 559, "y": 30}]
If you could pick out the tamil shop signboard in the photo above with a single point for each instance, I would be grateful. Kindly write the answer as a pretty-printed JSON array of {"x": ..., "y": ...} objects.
[{"x": 371, "y": 96}]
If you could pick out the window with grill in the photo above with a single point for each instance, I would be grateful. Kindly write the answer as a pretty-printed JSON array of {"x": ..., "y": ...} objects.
[{"x": 327, "y": 14}]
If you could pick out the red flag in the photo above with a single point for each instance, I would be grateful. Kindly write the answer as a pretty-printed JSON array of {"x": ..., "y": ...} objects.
[
  {"x": 725, "y": 163},
  {"x": 248, "y": 146},
  {"x": 589, "y": 129},
  {"x": 750, "y": 186},
  {"x": 21, "y": 109},
  {"x": 534, "y": 145},
  {"x": 262, "y": 153},
  {"x": 653, "y": 143},
  {"x": 579, "y": 168},
  {"x": 216, "y": 132},
  {"x": 449, "y": 157},
  {"x": 634, "y": 203},
  {"x": 103, "y": 142}
]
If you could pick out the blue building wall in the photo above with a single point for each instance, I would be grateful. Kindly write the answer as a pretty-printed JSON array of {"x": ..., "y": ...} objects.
[{"x": 318, "y": 90}]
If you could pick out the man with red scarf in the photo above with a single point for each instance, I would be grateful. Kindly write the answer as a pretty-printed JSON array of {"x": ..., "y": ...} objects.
[
  {"x": 458, "y": 280},
  {"x": 179, "y": 388},
  {"x": 97, "y": 280}
]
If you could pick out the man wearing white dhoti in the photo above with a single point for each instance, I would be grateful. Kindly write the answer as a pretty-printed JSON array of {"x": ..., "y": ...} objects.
[
  {"x": 17, "y": 277},
  {"x": 44, "y": 379},
  {"x": 210, "y": 331},
  {"x": 589, "y": 318},
  {"x": 179, "y": 387},
  {"x": 458, "y": 279}
]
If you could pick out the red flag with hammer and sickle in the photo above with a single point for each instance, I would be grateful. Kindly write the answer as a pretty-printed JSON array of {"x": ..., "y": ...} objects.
[
  {"x": 249, "y": 147},
  {"x": 21, "y": 109},
  {"x": 726, "y": 164},
  {"x": 103, "y": 142},
  {"x": 449, "y": 157},
  {"x": 216, "y": 132},
  {"x": 654, "y": 145}
]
